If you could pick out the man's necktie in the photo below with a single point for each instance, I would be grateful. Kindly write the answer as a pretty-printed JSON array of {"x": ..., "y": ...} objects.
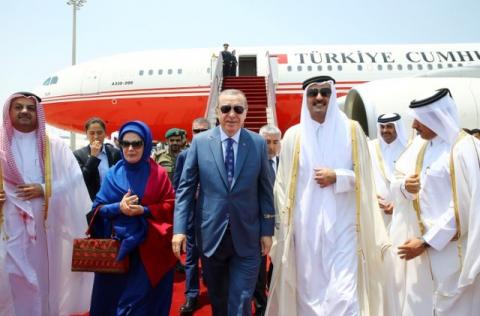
[
  {"x": 272, "y": 165},
  {"x": 230, "y": 161}
]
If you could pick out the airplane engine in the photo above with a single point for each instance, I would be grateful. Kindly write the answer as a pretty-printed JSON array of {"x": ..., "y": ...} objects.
[{"x": 365, "y": 102}]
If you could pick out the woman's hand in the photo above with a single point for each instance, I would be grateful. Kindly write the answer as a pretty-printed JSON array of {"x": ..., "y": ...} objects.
[{"x": 129, "y": 205}]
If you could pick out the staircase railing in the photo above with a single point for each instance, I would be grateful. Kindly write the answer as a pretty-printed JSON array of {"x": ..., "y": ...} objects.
[
  {"x": 215, "y": 87},
  {"x": 271, "y": 95}
]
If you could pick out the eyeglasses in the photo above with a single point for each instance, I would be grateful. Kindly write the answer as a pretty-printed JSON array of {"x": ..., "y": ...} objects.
[
  {"x": 227, "y": 108},
  {"x": 324, "y": 92},
  {"x": 199, "y": 130},
  {"x": 135, "y": 144}
]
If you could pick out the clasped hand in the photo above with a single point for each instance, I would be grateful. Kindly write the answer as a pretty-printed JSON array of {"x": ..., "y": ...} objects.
[
  {"x": 412, "y": 184},
  {"x": 29, "y": 191},
  {"x": 96, "y": 148},
  {"x": 129, "y": 205},
  {"x": 386, "y": 207},
  {"x": 324, "y": 176},
  {"x": 412, "y": 248}
]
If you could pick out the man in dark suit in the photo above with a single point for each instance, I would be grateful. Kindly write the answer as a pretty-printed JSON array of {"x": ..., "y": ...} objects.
[
  {"x": 96, "y": 158},
  {"x": 235, "y": 205},
  {"x": 192, "y": 286},
  {"x": 227, "y": 61},
  {"x": 273, "y": 137}
]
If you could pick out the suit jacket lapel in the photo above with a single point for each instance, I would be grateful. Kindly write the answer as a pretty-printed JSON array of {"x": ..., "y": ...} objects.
[
  {"x": 109, "y": 155},
  {"x": 216, "y": 148},
  {"x": 244, "y": 143}
]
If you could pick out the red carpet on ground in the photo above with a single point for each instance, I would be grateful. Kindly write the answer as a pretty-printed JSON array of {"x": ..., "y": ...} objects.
[{"x": 179, "y": 297}]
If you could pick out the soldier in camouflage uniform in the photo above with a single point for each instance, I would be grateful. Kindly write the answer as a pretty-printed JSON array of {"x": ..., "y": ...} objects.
[{"x": 167, "y": 158}]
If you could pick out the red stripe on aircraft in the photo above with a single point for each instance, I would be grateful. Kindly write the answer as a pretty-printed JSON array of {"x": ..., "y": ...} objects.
[
  {"x": 113, "y": 93},
  {"x": 281, "y": 58}
]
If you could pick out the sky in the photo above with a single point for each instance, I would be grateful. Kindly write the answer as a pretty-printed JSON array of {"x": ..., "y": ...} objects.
[{"x": 36, "y": 36}]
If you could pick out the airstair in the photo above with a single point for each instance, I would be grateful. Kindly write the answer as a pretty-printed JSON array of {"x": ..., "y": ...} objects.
[{"x": 259, "y": 90}]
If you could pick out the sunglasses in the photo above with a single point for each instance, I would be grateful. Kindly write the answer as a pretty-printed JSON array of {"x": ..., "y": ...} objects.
[
  {"x": 324, "y": 92},
  {"x": 236, "y": 108},
  {"x": 199, "y": 130},
  {"x": 135, "y": 144}
]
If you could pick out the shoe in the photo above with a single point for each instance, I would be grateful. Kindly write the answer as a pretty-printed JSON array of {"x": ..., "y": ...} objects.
[
  {"x": 259, "y": 309},
  {"x": 179, "y": 267},
  {"x": 190, "y": 305},
  {"x": 260, "y": 312}
]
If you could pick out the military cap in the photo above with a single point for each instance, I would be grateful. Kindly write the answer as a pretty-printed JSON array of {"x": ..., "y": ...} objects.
[
  {"x": 439, "y": 94},
  {"x": 175, "y": 132},
  {"x": 318, "y": 79}
]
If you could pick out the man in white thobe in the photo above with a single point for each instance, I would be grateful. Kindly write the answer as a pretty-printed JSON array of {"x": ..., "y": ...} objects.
[
  {"x": 43, "y": 205},
  {"x": 384, "y": 150},
  {"x": 330, "y": 237},
  {"x": 436, "y": 224}
]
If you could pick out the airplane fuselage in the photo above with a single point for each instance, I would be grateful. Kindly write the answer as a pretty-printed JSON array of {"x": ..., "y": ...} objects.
[{"x": 169, "y": 88}]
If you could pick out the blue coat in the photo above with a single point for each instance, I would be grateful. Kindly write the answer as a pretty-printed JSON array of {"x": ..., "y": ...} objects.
[{"x": 247, "y": 205}]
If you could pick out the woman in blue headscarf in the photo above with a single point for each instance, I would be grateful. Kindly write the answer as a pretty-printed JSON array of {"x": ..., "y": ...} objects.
[{"x": 136, "y": 199}]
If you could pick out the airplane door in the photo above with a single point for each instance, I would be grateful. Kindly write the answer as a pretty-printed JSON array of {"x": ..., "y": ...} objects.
[
  {"x": 247, "y": 65},
  {"x": 91, "y": 81}
]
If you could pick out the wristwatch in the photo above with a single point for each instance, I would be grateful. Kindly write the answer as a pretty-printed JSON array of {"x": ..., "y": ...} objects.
[{"x": 424, "y": 243}]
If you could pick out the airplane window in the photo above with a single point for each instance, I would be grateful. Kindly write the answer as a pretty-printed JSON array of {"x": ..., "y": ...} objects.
[
  {"x": 140, "y": 72},
  {"x": 419, "y": 66},
  {"x": 329, "y": 67},
  {"x": 309, "y": 68},
  {"x": 170, "y": 71},
  {"x": 360, "y": 67},
  {"x": 409, "y": 67},
  {"x": 150, "y": 72},
  {"x": 160, "y": 71},
  {"x": 47, "y": 82},
  {"x": 450, "y": 65},
  {"x": 399, "y": 67},
  {"x": 289, "y": 68},
  {"x": 439, "y": 66},
  {"x": 380, "y": 67},
  {"x": 389, "y": 67},
  {"x": 339, "y": 67},
  {"x": 299, "y": 68},
  {"x": 179, "y": 71},
  {"x": 319, "y": 67},
  {"x": 54, "y": 80},
  {"x": 460, "y": 65},
  {"x": 429, "y": 66}
]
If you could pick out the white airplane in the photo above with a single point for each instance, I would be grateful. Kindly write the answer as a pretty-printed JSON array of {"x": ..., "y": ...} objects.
[{"x": 169, "y": 88}]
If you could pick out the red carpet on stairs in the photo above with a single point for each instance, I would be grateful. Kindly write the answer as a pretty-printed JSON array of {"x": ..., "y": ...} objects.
[{"x": 256, "y": 93}]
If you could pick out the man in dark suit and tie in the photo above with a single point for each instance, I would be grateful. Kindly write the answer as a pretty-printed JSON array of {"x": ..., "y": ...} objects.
[
  {"x": 192, "y": 284},
  {"x": 97, "y": 157},
  {"x": 273, "y": 137},
  {"x": 235, "y": 219}
]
